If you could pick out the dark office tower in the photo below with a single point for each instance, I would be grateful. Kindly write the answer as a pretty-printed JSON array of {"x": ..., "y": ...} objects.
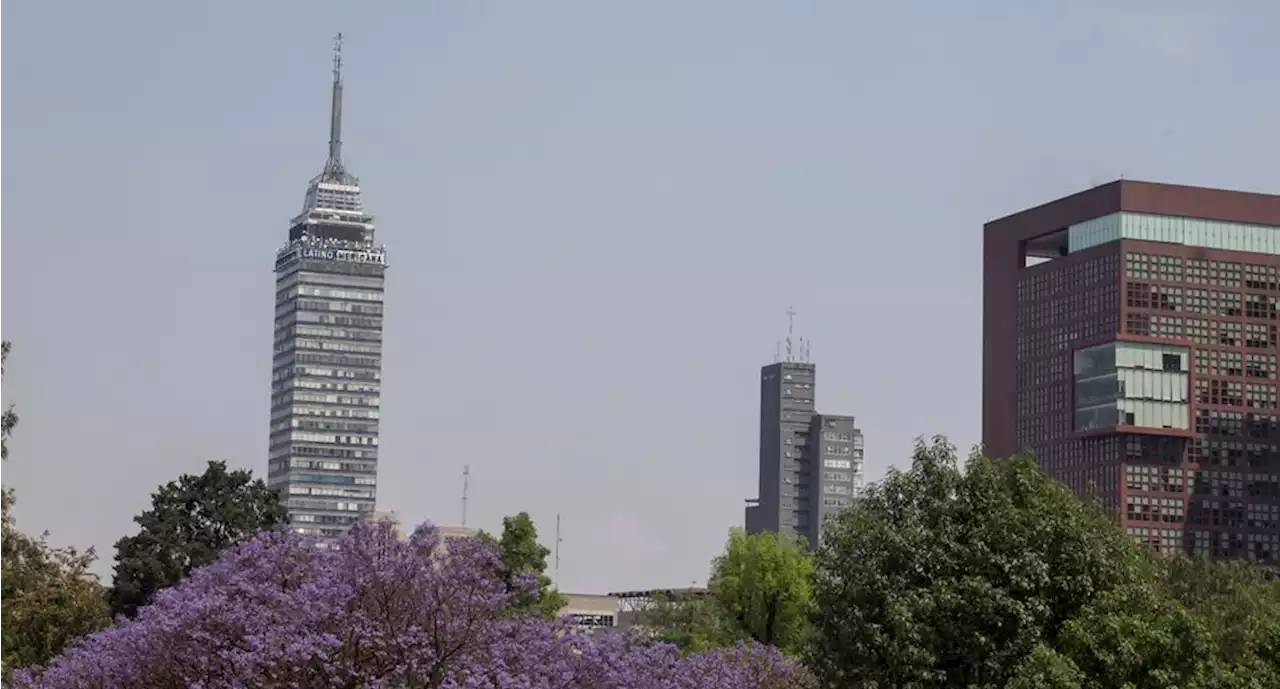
[
  {"x": 810, "y": 463},
  {"x": 1130, "y": 343},
  {"x": 327, "y": 369}
]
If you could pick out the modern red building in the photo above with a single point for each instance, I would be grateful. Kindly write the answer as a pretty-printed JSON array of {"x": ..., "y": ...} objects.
[{"x": 1130, "y": 343}]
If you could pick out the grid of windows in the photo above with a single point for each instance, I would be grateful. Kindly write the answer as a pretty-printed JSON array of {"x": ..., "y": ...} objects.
[
  {"x": 1226, "y": 484},
  {"x": 326, "y": 393},
  {"x": 326, "y": 372},
  {"x": 1059, "y": 303}
]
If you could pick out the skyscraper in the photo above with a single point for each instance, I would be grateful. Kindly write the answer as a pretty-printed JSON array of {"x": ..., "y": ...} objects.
[
  {"x": 327, "y": 368},
  {"x": 810, "y": 463},
  {"x": 1130, "y": 342}
]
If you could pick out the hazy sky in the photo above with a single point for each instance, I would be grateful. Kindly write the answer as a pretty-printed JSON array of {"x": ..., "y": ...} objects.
[{"x": 596, "y": 215}]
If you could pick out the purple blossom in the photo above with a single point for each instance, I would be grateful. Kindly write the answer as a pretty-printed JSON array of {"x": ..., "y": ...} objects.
[{"x": 381, "y": 613}]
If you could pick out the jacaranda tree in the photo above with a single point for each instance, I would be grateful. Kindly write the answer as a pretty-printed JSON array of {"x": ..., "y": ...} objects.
[{"x": 377, "y": 612}]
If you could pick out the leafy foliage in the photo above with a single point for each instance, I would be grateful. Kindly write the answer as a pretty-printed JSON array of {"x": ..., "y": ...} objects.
[
  {"x": 10, "y": 418},
  {"x": 692, "y": 623},
  {"x": 191, "y": 521},
  {"x": 49, "y": 596},
  {"x": 998, "y": 576},
  {"x": 760, "y": 589},
  {"x": 763, "y": 584},
  {"x": 378, "y": 612},
  {"x": 521, "y": 554},
  {"x": 943, "y": 577}
]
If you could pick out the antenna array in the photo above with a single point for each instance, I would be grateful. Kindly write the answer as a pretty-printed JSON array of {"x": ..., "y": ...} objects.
[{"x": 792, "y": 349}]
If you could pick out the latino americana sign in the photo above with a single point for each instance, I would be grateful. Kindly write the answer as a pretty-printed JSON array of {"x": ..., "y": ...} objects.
[{"x": 348, "y": 255}]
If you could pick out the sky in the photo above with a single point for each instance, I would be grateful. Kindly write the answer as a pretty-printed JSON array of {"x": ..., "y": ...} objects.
[{"x": 596, "y": 216}]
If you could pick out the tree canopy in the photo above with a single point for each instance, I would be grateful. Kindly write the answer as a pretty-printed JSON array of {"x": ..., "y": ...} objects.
[
  {"x": 49, "y": 597},
  {"x": 521, "y": 554},
  {"x": 763, "y": 584},
  {"x": 378, "y": 611},
  {"x": 996, "y": 575},
  {"x": 191, "y": 521},
  {"x": 693, "y": 623},
  {"x": 9, "y": 418},
  {"x": 760, "y": 589},
  {"x": 946, "y": 577}
]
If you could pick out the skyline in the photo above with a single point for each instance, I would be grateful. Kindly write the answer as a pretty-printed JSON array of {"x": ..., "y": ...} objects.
[{"x": 565, "y": 197}]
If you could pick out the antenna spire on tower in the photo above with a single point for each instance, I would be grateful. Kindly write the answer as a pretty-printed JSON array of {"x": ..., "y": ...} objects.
[
  {"x": 333, "y": 166},
  {"x": 466, "y": 476},
  {"x": 791, "y": 327},
  {"x": 558, "y": 539}
]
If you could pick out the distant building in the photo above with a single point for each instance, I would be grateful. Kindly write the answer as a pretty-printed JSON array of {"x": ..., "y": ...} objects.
[
  {"x": 385, "y": 516},
  {"x": 447, "y": 533},
  {"x": 633, "y": 605},
  {"x": 326, "y": 376},
  {"x": 810, "y": 463},
  {"x": 590, "y": 611}
]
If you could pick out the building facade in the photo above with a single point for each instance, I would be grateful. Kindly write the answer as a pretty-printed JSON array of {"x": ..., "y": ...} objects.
[
  {"x": 1130, "y": 343},
  {"x": 327, "y": 366},
  {"x": 810, "y": 464},
  {"x": 590, "y": 612}
]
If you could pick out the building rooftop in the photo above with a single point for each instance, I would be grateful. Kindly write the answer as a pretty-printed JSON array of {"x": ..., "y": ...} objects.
[{"x": 1136, "y": 196}]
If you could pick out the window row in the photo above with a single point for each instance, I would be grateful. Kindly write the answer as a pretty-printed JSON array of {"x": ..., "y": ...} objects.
[
  {"x": 1200, "y": 271},
  {"x": 1236, "y": 424},
  {"x": 1212, "y": 362},
  {"x": 291, "y": 397},
  {"x": 1230, "y": 393},
  {"x": 295, "y": 489}
]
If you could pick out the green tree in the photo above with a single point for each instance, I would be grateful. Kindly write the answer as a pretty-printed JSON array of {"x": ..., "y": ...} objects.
[
  {"x": 1237, "y": 601},
  {"x": 943, "y": 577},
  {"x": 190, "y": 522},
  {"x": 10, "y": 418},
  {"x": 694, "y": 623},
  {"x": 522, "y": 554},
  {"x": 1045, "y": 668},
  {"x": 49, "y": 597},
  {"x": 763, "y": 586}
]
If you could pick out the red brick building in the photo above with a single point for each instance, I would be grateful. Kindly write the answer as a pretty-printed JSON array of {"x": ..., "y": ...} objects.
[{"x": 1130, "y": 342}]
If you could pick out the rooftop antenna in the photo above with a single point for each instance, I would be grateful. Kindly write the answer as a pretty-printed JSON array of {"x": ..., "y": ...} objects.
[
  {"x": 791, "y": 326},
  {"x": 558, "y": 540},
  {"x": 333, "y": 166},
  {"x": 466, "y": 476}
]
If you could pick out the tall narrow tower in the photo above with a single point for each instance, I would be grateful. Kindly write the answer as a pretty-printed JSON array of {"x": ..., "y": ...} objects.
[
  {"x": 327, "y": 367},
  {"x": 810, "y": 464}
]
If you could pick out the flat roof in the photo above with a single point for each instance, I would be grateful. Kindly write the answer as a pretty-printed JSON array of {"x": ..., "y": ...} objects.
[
  {"x": 1140, "y": 197},
  {"x": 650, "y": 593}
]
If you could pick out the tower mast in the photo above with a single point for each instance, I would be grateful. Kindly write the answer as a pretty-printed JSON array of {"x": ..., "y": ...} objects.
[
  {"x": 466, "y": 476},
  {"x": 333, "y": 166},
  {"x": 791, "y": 327},
  {"x": 558, "y": 539}
]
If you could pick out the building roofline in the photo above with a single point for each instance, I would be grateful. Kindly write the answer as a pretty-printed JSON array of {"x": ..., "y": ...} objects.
[
  {"x": 696, "y": 591},
  {"x": 1137, "y": 196}
]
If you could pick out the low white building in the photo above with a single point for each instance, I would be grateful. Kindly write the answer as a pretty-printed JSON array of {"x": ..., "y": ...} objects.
[{"x": 590, "y": 611}]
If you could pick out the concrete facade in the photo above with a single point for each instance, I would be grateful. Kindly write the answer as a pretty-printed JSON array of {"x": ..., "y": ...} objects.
[
  {"x": 590, "y": 612},
  {"x": 810, "y": 464}
]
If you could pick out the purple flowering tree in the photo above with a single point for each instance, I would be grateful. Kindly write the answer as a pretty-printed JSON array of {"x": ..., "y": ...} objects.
[{"x": 377, "y": 612}]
